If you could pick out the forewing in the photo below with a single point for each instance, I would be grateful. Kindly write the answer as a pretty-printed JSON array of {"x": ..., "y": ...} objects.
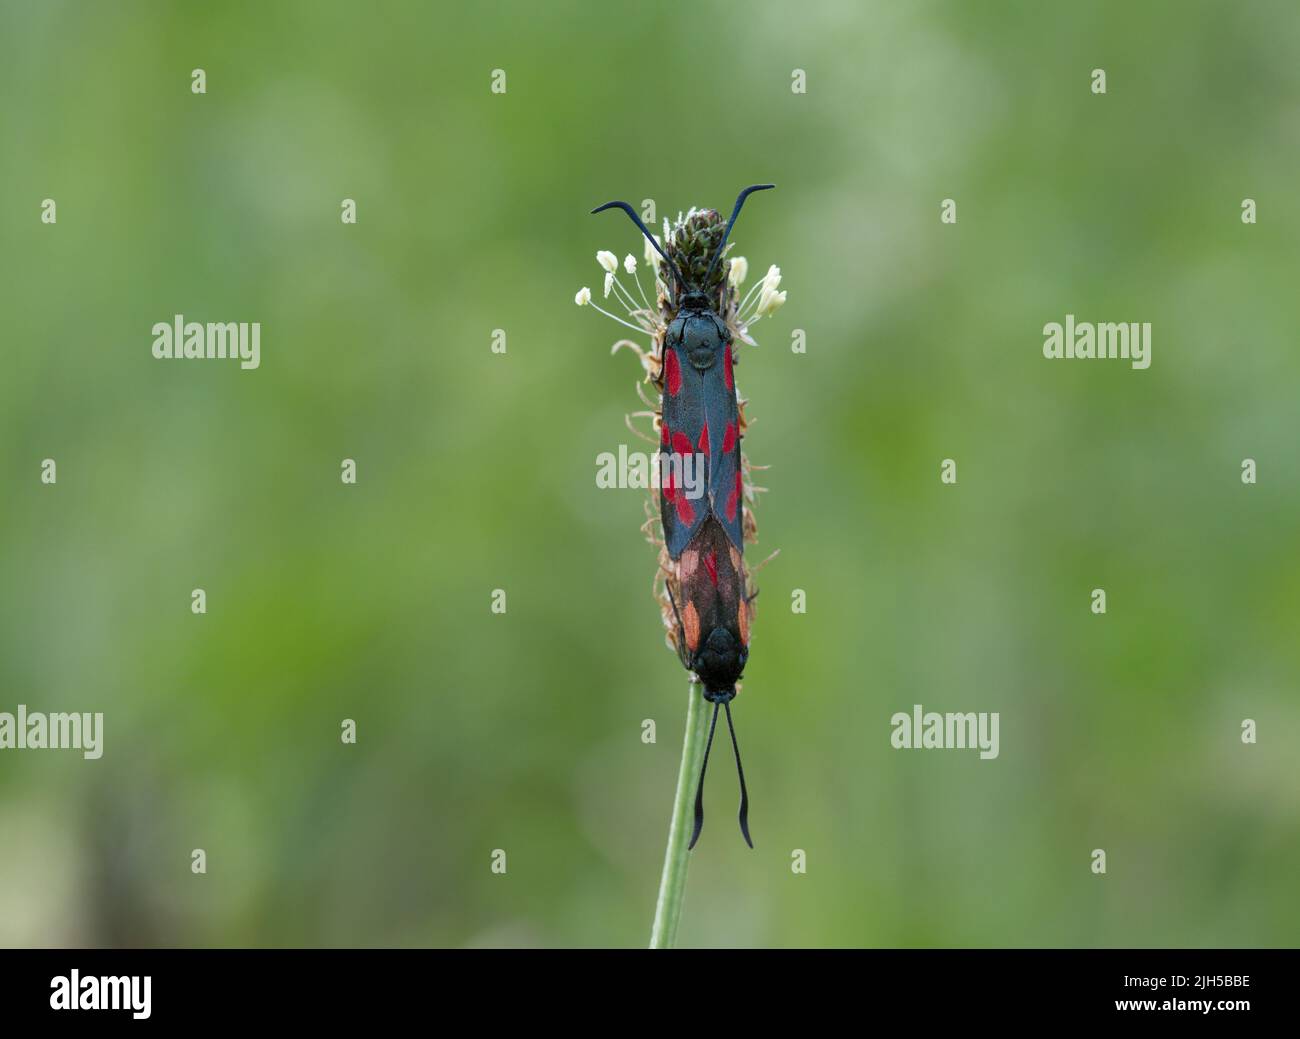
[
  {"x": 722, "y": 421},
  {"x": 680, "y": 435}
]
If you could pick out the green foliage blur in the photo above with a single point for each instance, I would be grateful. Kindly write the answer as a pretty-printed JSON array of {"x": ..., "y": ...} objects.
[{"x": 476, "y": 471}]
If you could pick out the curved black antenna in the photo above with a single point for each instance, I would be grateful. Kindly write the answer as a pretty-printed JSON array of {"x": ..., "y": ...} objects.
[
  {"x": 699, "y": 791},
  {"x": 744, "y": 794},
  {"x": 645, "y": 231},
  {"x": 740, "y": 201}
]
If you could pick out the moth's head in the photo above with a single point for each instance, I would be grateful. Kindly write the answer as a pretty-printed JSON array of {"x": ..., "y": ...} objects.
[
  {"x": 695, "y": 299},
  {"x": 720, "y": 662}
]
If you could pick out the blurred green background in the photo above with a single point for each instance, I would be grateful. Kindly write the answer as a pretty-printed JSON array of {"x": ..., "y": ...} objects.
[{"x": 477, "y": 471}]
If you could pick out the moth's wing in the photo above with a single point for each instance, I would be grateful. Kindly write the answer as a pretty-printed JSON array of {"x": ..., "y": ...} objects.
[
  {"x": 722, "y": 419},
  {"x": 682, "y": 428},
  {"x": 711, "y": 578},
  {"x": 681, "y": 637}
]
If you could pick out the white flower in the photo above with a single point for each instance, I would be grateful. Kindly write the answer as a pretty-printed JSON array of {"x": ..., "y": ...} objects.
[
  {"x": 629, "y": 263},
  {"x": 739, "y": 271},
  {"x": 609, "y": 283},
  {"x": 651, "y": 257},
  {"x": 583, "y": 297},
  {"x": 772, "y": 278},
  {"x": 607, "y": 260},
  {"x": 769, "y": 302}
]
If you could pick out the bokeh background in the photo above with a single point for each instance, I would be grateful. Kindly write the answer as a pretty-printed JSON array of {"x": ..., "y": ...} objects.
[{"x": 477, "y": 471}]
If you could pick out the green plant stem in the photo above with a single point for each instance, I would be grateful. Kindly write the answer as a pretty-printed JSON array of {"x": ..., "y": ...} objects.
[{"x": 672, "y": 885}]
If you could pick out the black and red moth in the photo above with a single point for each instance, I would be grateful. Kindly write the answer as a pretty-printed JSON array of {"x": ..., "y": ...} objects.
[{"x": 698, "y": 321}]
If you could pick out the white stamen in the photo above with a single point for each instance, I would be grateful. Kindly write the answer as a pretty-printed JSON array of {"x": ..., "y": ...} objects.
[
  {"x": 642, "y": 329},
  {"x": 770, "y": 302},
  {"x": 622, "y": 295},
  {"x": 640, "y": 289},
  {"x": 770, "y": 280}
]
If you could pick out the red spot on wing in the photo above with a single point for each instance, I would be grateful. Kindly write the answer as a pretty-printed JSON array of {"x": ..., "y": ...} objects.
[
  {"x": 681, "y": 450},
  {"x": 711, "y": 565},
  {"x": 670, "y": 487},
  {"x": 691, "y": 624},
  {"x": 673, "y": 372},
  {"x": 726, "y": 368},
  {"x": 733, "y": 499},
  {"x": 663, "y": 433},
  {"x": 704, "y": 439},
  {"x": 729, "y": 439}
]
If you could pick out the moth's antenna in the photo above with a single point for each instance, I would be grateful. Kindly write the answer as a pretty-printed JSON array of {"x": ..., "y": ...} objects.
[
  {"x": 699, "y": 791},
  {"x": 740, "y": 201},
  {"x": 744, "y": 794},
  {"x": 645, "y": 231}
]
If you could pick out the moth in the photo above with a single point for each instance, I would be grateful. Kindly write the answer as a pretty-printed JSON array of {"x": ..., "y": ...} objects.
[{"x": 694, "y": 332}]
